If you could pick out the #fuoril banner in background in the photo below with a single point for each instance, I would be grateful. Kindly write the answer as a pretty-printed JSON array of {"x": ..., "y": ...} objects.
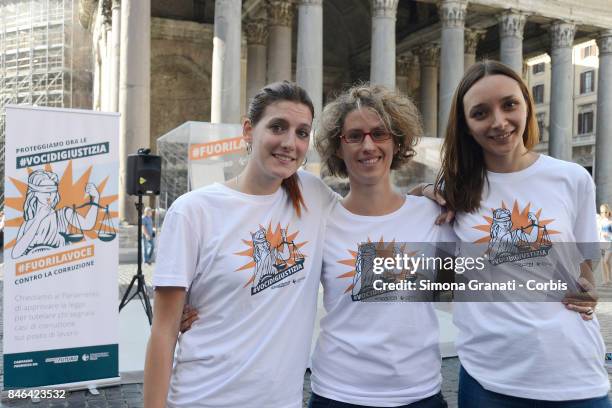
[
  {"x": 220, "y": 157},
  {"x": 60, "y": 251}
]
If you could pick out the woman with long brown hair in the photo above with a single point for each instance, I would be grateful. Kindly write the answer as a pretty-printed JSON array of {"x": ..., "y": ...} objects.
[{"x": 531, "y": 354}]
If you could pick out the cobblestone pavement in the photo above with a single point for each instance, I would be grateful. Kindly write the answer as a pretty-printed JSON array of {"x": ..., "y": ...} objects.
[{"x": 130, "y": 395}]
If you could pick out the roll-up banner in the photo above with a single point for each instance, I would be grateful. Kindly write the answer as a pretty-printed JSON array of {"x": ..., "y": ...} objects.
[{"x": 61, "y": 322}]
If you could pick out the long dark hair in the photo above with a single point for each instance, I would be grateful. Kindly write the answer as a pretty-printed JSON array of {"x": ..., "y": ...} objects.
[
  {"x": 276, "y": 92},
  {"x": 463, "y": 171}
]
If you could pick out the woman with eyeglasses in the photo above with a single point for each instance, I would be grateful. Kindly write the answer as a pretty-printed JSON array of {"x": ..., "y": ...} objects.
[{"x": 374, "y": 349}]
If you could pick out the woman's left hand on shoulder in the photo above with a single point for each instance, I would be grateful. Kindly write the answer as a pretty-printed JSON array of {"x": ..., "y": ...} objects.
[{"x": 428, "y": 190}]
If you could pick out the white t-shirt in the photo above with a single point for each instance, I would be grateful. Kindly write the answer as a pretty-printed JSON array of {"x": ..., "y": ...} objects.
[
  {"x": 537, "y": 350},
  {"x": 376, "y": 353},
  {"x": 252, "y": 268}
]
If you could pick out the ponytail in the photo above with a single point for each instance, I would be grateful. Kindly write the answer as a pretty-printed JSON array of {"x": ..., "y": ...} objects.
[{"x": 292, "y": 188}]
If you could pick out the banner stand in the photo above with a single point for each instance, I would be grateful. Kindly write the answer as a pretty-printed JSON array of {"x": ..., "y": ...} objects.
[{"x": 61, "y": 257}]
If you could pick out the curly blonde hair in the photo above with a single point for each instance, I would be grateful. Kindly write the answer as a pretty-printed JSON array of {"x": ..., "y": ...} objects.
[{"x": 398, "y": 114}]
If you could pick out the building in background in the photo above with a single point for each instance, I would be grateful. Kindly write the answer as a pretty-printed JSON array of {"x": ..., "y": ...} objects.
[
  {"x": 585, "y": 62},
  {"x": 161, "y": 63},
  {"x": 45, "y": 58}
]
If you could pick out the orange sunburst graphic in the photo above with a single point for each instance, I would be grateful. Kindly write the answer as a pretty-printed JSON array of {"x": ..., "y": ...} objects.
[
  {"x": 274, "y": 236},
  {"x": 72, "y": 194},
  {"x": 519, "y": 218},
  {"x": 385, "y": 249}
]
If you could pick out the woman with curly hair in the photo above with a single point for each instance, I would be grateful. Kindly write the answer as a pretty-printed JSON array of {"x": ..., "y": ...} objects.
[{"x": 374, "y": 349}]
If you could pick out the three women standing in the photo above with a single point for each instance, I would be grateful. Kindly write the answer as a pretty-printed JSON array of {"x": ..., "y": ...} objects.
[{"x": 251, "y": 345}]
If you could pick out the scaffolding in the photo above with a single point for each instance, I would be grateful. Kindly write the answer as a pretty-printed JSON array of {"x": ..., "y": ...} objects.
[{"x": 35, "y": 57}]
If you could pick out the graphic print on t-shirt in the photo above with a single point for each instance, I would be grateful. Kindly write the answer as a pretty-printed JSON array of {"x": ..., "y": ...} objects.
[
  {"x": 362, "y": 273},
  {"x": 274, "y": 257},
  {"x": 515, "y": 235}
]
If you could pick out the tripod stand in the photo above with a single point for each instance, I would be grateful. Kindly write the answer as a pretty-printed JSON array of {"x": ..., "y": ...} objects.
[{"x": 141, "y": 290}]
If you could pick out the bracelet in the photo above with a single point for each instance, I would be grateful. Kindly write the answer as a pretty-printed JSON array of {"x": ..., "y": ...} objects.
[{"x": 425, "y": 186}]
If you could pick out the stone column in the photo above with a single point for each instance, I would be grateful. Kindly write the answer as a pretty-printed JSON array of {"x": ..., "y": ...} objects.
[
  {"x": 257, "y": 36},
  {"x": 107, "y": 65},
  {"x": 134, "y": 92},
  {"x": 309, "y": 64},
  {"x": 452, "y": 15},
  {"x": 402, "y": 68},
  {"x": 115, "y": 55},
  {"x": 97, "y": 74},
  {"x": 472, "y": 38},
  {"x": 561, "y": 92},
  {"x": 414, "y": 76},
  {"x": 511, "y": 26},
  {"x": 225, "y": 78},
  {"x": 382, "y": 61},
  {"x": 106, "y": 59},
  {"x": 603, "y": 144},
  {"x": 429, "y": 56},
  {"x": 280, "y": 17}
]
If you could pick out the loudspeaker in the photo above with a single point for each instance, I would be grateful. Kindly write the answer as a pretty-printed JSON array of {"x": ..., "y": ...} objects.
[{"x": 143, "y": 173}]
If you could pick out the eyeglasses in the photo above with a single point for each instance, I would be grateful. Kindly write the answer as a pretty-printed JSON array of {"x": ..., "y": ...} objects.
[{"x": 358, "y": 136}]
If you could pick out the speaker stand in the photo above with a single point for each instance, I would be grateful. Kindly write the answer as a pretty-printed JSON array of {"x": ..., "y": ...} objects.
[{"x": 138, "y": 278}]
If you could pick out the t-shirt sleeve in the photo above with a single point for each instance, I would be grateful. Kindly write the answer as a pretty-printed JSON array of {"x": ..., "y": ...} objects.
[
  {"x": 585, "y": 224},
  {"x": 177, "y": 256},
  {"x": 325, "y": 196},
  {"x": 330, "y": 199}
]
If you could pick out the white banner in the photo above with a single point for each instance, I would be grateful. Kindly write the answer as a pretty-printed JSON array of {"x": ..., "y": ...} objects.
[{"x": 60, "y": 247}]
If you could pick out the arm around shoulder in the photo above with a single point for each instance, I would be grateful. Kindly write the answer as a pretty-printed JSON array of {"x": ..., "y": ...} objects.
[{"x": 168, "y": 307}]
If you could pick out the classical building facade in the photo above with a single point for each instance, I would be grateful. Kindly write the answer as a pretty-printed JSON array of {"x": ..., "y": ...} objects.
[{"x": 161, "y": 63}]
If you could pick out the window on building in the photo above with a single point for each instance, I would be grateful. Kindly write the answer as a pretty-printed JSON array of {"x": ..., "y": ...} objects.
[
  {"x": 587, "y": 82},
  {"x": 538, "y": 93},
  {"x": 538, "y": 68},
  {"x": 587, "y": 51},
  {"x": 541, "y": 118},
  {"x": 585, "y": 122}
]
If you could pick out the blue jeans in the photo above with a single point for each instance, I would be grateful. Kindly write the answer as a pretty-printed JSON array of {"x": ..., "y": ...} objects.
[
  {"x": 148, "y": 245},
  {"x": 317, "y": 401},
  {"x": 473, "y": 395}
]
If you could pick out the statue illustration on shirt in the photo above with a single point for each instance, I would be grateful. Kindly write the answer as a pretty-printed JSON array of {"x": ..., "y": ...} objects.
[
  {"x": 511, "y": 243},
  {"x": 263, "y": 256},
  {"x": 362, "y": 286},
  {"x": 274, "y": 261},
  {"x": 363, "y": 281}
]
